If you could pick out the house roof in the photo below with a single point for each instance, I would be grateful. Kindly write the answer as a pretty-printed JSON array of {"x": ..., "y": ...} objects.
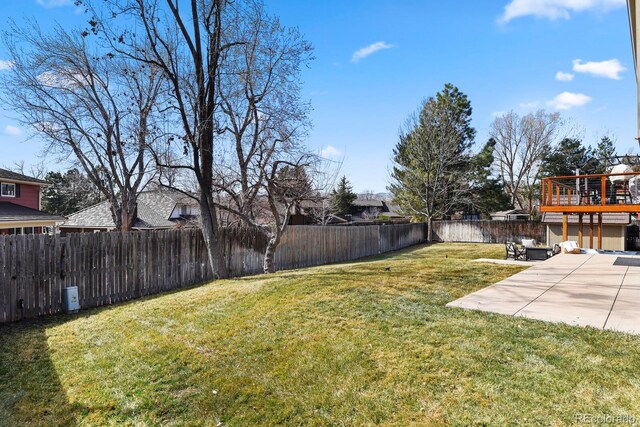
[
  {"x": 12, "y": 212},
  {"x": 368, "y": 203},
  {"x": 609, "y": 218},
  {"x": 154, "y": 211},
  {"x": 14, "y": 176},
  {"x": 394, "y": 211},
  {"x": 510, "y": 212}
]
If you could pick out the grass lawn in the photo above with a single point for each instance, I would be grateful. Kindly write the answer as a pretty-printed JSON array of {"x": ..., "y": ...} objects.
[{"x": 348, "y": 344}]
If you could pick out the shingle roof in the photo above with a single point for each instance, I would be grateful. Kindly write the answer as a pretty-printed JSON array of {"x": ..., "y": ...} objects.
[
  {"x": 368, "y": 203},
  {"x": 14, "y": 176},
  {"x": 394, "y": 211},
  {"x": 154, "y": 210},
  {"x": 12, "y": 212},
  {"x": 510, "y": 212},
  {"x": 607, "y": 218}
]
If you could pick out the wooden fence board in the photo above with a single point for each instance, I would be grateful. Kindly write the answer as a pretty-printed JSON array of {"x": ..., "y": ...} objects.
[
  {"x": 488, "y": 231},
  {"x": 116, "y": 266}
]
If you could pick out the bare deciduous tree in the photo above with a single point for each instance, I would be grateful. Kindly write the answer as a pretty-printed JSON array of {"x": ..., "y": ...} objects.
[
  {"x": 37, "y": 170},
  {"x": 92, "y": 107},
  {"x": 263, "y": 120},
  {"x": 185, "y": 40},
  {"x": 521, "y": 143}
]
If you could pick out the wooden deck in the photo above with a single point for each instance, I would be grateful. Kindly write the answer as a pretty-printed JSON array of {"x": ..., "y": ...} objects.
[{"x": 591, "y": 194}]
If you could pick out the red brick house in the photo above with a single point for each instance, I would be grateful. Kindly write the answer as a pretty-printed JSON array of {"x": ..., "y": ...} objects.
[{"x": 20, "y": 204}]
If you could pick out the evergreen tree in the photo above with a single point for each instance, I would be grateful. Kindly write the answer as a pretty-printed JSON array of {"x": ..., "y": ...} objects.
[
  {"x": 568, "y": 156},
  {"x": 342, "y": 197},
  {"x": 69, "y": 192},
  {"x": 487, "y": 193},
  {"x": 430, "y": 177},
  {"x": 603, "y": 153}
]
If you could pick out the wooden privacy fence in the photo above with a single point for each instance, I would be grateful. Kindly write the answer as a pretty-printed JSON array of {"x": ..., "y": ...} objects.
[
  {"x": 106, "y": 267},
  {"x": 489, "y": 231},
  {"x": 113, "y": 267}
]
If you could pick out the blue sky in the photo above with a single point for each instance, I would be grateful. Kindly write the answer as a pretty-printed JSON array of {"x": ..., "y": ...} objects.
[{"x": 376, "y": 60}]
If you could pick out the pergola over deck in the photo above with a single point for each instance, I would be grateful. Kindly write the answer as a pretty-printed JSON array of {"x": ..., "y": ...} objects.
[{"x": 590, "y": 195}]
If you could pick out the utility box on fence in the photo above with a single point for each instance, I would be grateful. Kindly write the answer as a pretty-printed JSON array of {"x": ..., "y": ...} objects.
[{"x": 71, "y": 301}]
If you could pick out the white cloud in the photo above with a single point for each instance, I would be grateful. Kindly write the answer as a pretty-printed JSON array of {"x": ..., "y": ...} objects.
[
  {"x": 12, "y": 131},
  {"x": 564, "y": 77},
  {"x": 529, "y": 105},
  {"x": 330, "y": 152},
  {"x": 498, "y": 113},
  {"x": 568, "y": 100},
  {"x": 5, "y": 65},
  {"x": 369, "y": 50},
  {"x": 610, "y": 69},
  {"x": 48, "y": 4},
  {"x": 62, "y": 79},
  {"x": 555, "y": 9}
]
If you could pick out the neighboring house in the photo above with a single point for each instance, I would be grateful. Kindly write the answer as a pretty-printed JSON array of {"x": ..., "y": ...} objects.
[
  {"x": 20, "y": 204},
  {"x": 366, "y": 209},
  {"x": 510, "y": 215},
  {"x": 391, "y": 211},
  {"x": 312, "y": 212},
  {"x": 156, "y": 210},
  {"x": 614, "y": 229}
]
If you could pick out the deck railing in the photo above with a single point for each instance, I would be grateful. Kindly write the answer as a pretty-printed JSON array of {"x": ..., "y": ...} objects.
[{"x": 592, "y": 193}]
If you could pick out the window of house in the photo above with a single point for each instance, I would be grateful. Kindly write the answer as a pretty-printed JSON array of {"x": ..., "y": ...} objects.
[
  {"x": 7, "y": 190},
  {"x": 184, "y": 210}
]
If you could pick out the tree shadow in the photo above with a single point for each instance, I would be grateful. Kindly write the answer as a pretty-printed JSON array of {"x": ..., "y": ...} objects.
[{"x": 31, "y": 392}]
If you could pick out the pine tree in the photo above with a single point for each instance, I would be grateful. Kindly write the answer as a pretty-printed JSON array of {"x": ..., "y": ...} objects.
[
  {"x": 430, "y": 177},
  {"x": 487, "y": 192},
  {"x": 567, "y": 157},
  {"x": 342, "y": 197},
  {"x": 68, "y": 193},
  {"x": 603, "y": 153}
]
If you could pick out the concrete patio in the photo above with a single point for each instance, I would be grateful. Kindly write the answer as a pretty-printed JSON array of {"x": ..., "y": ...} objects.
[{"x": 581, "y": 290}]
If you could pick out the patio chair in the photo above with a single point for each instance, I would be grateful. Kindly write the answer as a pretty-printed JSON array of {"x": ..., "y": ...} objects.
[
  {"x": 514, "y": 252},
  {"x": 570, "y": 247},
  {"x": 556, "y": 249}
]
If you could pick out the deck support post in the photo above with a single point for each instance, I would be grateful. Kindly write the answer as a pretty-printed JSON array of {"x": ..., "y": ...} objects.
[
  {"x": 580, "y": 230},
  {"x": 565, "y": 227},
  {"x": 599, "y": 231},
  {"x": 591, "y": 231}
]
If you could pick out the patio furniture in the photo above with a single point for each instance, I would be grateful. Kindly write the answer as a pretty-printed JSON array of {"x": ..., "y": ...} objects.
[
  {"x": 529, "y": 243},
  {"x": 556, "y": 249},
  {"x": 537, "y": 253},
  {"x": 621, "y": 193},
  {"x": 570, "y": 247},
  {"x": 514, "y": 252}
]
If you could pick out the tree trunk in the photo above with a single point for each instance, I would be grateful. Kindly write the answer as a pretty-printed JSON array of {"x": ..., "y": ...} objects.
[
  {"x": 214, "y": 244},
  {"x": 124, "y": 211},
  {"x": 429, "y": 229},
  {"x": 128, "y": 213},
  {"x": 270, "y": 254}
]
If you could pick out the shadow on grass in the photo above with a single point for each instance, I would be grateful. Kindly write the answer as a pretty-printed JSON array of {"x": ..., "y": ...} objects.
[{"x": 30, "y": 390}]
